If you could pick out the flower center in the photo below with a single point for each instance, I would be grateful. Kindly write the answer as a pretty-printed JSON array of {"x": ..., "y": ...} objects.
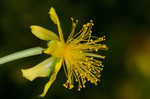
[{"x": 56, "y": 48}]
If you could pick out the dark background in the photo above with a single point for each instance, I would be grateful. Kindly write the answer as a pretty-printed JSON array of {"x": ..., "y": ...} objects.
[{"x": 126, "y": 21}]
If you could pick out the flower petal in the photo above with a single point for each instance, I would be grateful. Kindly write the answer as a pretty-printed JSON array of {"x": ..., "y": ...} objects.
[
  {"x": 55, "y": 19},
  {"x": 41, "y": 70},
  {"x": 42, "y": 33},
  {"x": 52, "y": 78},
  {"x": 53, "y": 15}
]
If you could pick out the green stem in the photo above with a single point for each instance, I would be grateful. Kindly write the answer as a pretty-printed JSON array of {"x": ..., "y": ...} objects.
[{"x": 21, "y": 54}]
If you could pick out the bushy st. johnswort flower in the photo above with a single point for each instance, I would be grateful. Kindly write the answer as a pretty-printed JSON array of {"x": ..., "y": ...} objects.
[{"x": 77, "y": 55}]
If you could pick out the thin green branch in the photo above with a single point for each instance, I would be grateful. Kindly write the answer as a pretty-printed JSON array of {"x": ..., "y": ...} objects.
[{"x": 21, "y": 54}]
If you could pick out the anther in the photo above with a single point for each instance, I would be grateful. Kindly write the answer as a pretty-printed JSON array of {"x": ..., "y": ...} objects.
[
  {"x": 88, "y": 24},
  {"x": 77, "y": 21},
  {"x": 84, "y": 26},
  {"x": 91, "y": 21},
  {"x": 96, "y": 50},
  {"x": 72, "y": 19}
]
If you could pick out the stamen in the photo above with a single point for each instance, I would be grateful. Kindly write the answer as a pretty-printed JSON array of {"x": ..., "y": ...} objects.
[{"x": 74, "y": 24}]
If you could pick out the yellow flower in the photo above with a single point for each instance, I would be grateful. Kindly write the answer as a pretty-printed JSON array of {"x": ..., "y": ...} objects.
[{"x": 78, "y": 54}]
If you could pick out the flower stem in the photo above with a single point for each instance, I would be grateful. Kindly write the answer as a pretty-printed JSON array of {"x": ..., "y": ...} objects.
[{"x": 21, "y": 54}]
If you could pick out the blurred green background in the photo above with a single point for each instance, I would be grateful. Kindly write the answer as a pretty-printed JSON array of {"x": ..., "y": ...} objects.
[{"x": 126, "y": 21}]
